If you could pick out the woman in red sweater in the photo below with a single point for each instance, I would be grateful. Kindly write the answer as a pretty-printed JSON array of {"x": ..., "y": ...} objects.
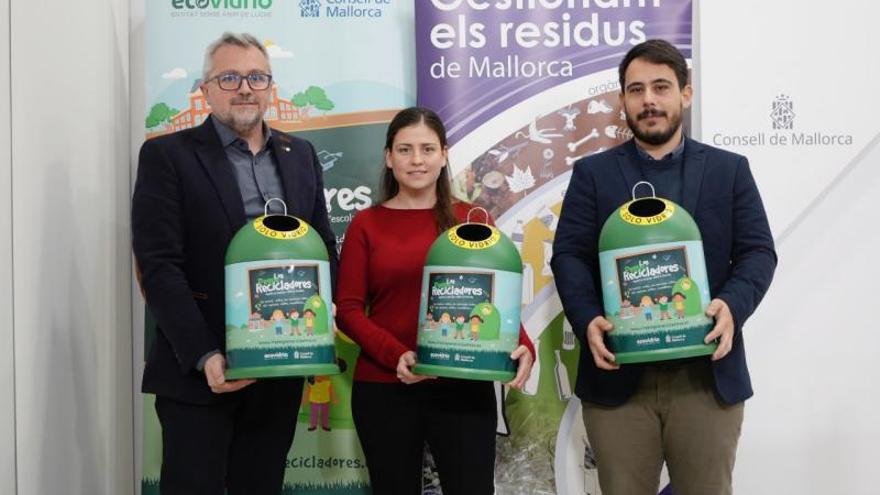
[{"x": 378, "y": 293}]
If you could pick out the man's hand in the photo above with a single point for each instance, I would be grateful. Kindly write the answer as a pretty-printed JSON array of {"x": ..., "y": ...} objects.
[
  {"x": 523, "y": 368},
  {"x": 596, "y": 329},
  {"x": 215, "y": 368},
  {"x": 404, "y": 374},
  {"x": 723, "y": 330}
]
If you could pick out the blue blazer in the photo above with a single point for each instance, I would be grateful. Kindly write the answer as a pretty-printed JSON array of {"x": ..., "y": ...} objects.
[
  {"x": 720, "y": 193},
  {"x": 186, "y": 208}
]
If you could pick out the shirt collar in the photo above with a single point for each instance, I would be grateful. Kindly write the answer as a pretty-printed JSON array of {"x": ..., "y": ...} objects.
[
  {"x": 228, "y": 136},
  {"x": 674, "y": 154}
]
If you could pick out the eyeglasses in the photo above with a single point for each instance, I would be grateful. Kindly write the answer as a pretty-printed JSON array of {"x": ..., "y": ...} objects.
[{"x": 231, "y": 81}]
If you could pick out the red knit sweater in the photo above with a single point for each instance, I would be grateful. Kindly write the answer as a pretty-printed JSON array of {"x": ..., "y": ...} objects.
[{"x": 381, "y": 268}]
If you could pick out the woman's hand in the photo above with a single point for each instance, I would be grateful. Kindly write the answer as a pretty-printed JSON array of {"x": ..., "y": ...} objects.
[
  {"x": 408, "y": 360},
  {"x": 524, "y": 367}
]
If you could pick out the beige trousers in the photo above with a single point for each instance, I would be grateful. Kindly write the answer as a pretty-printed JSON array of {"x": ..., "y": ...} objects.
[{"x": 674, "y": 417}]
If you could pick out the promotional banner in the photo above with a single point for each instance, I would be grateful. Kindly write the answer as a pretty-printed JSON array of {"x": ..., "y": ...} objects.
[
  {"x": 526, "y": 88},
  {"x": 332, "y": 89},
  {"x": 811, "y": 142}
]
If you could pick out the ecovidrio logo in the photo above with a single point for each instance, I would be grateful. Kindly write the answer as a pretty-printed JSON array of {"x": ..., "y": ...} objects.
[{"x": 221, "y": 4}]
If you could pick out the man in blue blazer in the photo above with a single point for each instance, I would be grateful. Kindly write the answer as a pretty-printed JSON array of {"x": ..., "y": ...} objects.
[
  {"x": 687, "y": 413},
  {"x": 195, "y": 189}
]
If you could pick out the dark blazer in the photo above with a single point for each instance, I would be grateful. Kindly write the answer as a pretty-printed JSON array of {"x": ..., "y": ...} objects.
[
  {"x": 185, "y": 210},
  {"x": 720, "y": 193}
]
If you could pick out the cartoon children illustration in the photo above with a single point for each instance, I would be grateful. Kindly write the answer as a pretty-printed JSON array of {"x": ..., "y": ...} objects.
[
  {"x": 319, "y": 394},
  {"x": 309, "y": 316},
  {"x": 294, "y": 323},
  {"x": 647, "y": 305},
  {"x": 459, "y": 330},
  {"x": 678, "y": 303},
  {"x": 663, "y": 303},
  {"x": 445, "y": 322},
  {"x": 476, "y": 321},
  {"x": 459, "y": 325},
  {"x": 626, "y": 309},
  {"x": 278, "y": 318},
  {"x": 429, "y": 321}
]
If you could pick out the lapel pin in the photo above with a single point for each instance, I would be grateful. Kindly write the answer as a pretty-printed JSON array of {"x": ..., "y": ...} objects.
[{"x": 286, "y": 148}]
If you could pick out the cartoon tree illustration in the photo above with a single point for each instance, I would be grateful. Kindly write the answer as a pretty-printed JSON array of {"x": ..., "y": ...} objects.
[
  {"x": 319, "y": 314},
  {"x": 691, "y": 291},
  {"x": 490, "y": 326},
  {"x": 160, "y": 114},
  {"x": 312, "y": 97},
  {"x": 325, "y": 105}
]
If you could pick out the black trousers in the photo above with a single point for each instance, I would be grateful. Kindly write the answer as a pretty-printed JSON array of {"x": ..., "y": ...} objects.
[
  {"x": 457, "y": 419},
  {"x": 236, "y": 447}
]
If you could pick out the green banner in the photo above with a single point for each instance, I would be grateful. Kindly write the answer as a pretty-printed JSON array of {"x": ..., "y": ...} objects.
[{"x": 333, "y": 90}]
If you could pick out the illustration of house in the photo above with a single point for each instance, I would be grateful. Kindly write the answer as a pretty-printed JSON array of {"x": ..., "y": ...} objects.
[{"x": 196, "y": 113}]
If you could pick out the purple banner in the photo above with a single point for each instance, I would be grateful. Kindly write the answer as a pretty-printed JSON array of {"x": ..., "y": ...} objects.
[
  {"x": 526, "y": 88},
  {"x": 476, "y": 58}
]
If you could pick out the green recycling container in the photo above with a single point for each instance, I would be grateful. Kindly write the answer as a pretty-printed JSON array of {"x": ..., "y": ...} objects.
[
  {"x": 654, "y": 284},
  {"x": 469, "y": 316},
  {"x": 279, "y": 320}
]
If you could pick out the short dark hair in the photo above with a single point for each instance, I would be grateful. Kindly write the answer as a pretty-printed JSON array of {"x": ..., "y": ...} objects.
[{"x": 657, "y": 52}]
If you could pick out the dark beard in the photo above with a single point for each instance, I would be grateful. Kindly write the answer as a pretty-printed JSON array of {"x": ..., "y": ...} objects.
[{"x": 653, "y": 138}]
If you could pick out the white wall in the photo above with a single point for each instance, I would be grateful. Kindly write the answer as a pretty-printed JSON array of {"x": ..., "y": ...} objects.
[
  {"x": 812, "y": 426},
  {"x": 70, "y": 246},
  {"x": 7, "y": 367}
]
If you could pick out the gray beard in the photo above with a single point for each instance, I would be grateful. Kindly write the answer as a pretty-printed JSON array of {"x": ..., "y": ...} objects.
[{"x": 243, "y": 125}]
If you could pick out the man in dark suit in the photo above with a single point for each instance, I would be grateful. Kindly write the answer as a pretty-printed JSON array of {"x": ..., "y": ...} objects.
[
  {"x": 195, "y": 189},
  {"x": 688, "y": 412}
]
